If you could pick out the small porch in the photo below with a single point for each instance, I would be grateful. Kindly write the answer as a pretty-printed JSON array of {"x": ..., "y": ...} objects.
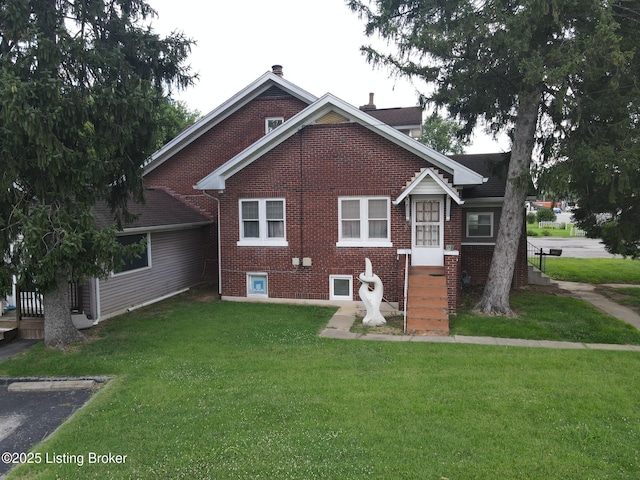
[{"x": 26, "y": 319}]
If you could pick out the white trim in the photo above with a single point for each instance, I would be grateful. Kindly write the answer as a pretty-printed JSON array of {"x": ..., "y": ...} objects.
[
  {"x": 428, "y": 172},
  {"x": 266, "y": 124},
  {"x": 213, "y": 118},
  {"x": 332, "y": 295},
  {"x": 491, "y": 224},
  {"x": 141, "y": 269},
  {"x": 266, "y": 284},
  {"x": 216, "y": 180},
  {"x": 364, "y": 240},
  {"x": 263, "y": 228},
  {"x": 362, "y": 244}
]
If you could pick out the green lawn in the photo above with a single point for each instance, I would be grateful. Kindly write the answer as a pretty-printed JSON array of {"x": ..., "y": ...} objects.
[
  {"x": 230, "y": 390},
  {"x": 548, "y": 317},
  {"x": 534, "y": 231},
  {"x": 594, "y": 270}
]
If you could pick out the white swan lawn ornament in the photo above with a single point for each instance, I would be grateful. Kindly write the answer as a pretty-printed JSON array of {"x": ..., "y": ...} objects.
[{"x": 371, "y": 298}]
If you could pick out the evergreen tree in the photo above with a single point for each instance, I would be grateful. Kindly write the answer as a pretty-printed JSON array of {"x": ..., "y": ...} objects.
[
  {"x": 511, "y": 63},
  {"x": 81, "y": 84}
]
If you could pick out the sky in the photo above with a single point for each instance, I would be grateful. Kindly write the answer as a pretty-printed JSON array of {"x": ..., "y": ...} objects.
[{"x": 317, "y": 42}]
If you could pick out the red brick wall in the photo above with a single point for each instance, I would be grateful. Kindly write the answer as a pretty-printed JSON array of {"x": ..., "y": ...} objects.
[
  {"x": 311, "y": 170},
  {"x": 476, "y": 260},
  {"x": 212, "y": 149}
]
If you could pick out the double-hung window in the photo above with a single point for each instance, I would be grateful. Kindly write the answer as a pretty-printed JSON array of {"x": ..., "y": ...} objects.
[
  {"x": 262, "y": 222},
  {"x": 364, "y": 221},
  {"x": 480, "y": 224}
]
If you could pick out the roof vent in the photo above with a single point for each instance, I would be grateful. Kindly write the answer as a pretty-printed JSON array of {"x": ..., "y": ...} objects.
[{"x": 277, "y": 70}]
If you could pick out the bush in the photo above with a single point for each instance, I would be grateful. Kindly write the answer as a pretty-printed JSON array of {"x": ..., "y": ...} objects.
[
  {"x": 545, "y": 215},
  {"x": 546, "y": 233},
  {"x": 532, "y": 233},
  {"x": 531, "y": 218}
]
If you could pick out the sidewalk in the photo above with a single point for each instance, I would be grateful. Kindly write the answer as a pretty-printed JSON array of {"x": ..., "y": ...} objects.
[{"x": 340, "y": 324}]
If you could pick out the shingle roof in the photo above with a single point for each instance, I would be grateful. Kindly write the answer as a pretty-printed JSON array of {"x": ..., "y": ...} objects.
[
  {"x": 160, "y": 210},
  {"x": 490, "y": 165},
  {"x": 398, "y": 117}
]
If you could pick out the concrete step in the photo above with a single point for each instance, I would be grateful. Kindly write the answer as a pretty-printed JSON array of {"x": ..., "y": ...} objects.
[{"x": 536, "y": 277}]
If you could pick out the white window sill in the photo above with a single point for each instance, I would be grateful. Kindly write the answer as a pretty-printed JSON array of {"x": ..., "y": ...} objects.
[
  {"x": 263, "y": 243},
  {"x": 381, "y": 244}
]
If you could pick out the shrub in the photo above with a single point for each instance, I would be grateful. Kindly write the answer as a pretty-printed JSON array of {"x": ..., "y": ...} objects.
[
  {"x": 531, "y": 218},
  {"x": 545, "y": 215},
  {"x": 532, "y": 233},
  {"x": 546, "y": 233}
]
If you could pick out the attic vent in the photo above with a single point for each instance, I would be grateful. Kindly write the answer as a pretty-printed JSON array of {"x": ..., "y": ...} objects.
[{"x": 332, "y": 117}]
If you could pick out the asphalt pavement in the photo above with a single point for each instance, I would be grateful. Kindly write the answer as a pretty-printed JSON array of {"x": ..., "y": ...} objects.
[
  {"x": 573, "y": 247},
  {"x": 27, "y": 418}
]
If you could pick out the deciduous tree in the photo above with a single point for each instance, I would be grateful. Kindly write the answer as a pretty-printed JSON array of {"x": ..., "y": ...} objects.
[{"x": 81, "y": 83}]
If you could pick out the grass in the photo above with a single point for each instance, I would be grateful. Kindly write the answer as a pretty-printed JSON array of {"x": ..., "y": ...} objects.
[
  {"x": 230, "y": 390},
  {"x": 594, "y": 270},
  {"x": 548, "y": 317},
  {"x": 627, "y": 296},
  {"x": 534, "y": 231}
]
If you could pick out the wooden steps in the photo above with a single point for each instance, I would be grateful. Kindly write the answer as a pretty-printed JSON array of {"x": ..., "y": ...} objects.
[{"x": 427, "y": 303}]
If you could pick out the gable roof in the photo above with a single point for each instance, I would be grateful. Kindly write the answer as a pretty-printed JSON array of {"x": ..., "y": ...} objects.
[
  {"x": 462, "y": 175},
  {"x": 161, "y": 211},
  {"x": 404, "y": 117},
  {"x": 261, "y": 85},
  {"x": 429, "y": 174}
]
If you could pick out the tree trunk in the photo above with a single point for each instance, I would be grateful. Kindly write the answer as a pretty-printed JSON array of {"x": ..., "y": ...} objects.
[
  {"x": 495, "y": 299},
  {"x": 59, "y": 331}
]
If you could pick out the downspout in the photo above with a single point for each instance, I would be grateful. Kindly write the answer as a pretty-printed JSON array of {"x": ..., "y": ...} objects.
[
  {"x": 219, "y": 247},
  {"x": 406, "y": 290}
]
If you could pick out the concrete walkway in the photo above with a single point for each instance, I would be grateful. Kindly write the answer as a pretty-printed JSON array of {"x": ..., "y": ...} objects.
[{"x": 340, "y": 324}]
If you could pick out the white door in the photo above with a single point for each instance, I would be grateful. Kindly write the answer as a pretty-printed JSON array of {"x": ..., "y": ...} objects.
[{"x": 427, "y": 243}]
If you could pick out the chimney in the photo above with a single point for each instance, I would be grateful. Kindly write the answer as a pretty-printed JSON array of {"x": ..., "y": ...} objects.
[
  {"x": 277, "y": 70},
  {"x": 370, "y": 105}
]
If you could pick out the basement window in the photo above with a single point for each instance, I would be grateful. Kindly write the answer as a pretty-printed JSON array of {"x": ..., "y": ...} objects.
[
  {"x": 340, "y": 287},
  {"x": 257, "y": 284}
]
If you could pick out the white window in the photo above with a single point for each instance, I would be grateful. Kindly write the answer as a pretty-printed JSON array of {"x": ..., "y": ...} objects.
[
  {"x": 262, "y": 222},
  {"x": 340, "y": 287},
  {"x": 480, "y": 224},
  {"x": 364, "y": 221},
  {"x": 257, "y": 284},
  {"x": 138, "y": 262},
  {"x": 272, "y": 123}
]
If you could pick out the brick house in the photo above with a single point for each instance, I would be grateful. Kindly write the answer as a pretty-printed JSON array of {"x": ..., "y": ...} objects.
[{"x": 303, "y": 189}]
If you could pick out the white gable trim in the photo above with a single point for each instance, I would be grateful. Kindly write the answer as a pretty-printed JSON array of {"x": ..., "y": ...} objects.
[
  {"x": 429, "y": 174},
  {"x": 216, "y": 179},
  {"x": 210, "y": 120}
]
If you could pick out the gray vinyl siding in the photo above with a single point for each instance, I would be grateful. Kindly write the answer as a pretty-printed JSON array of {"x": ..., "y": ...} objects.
[{"x": 176, "y": 263}]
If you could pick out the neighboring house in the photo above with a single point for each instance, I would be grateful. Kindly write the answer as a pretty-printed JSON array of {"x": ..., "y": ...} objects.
[
  {"x": 304, "y": 189},
  {"x": 176, "y": 235}
]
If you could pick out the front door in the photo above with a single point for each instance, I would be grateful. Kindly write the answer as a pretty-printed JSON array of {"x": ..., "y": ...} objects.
[{"x": 427, "y": 243}]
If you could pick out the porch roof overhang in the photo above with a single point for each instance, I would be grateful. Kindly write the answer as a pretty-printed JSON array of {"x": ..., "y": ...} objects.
[{"x": 429, "y": 173}]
